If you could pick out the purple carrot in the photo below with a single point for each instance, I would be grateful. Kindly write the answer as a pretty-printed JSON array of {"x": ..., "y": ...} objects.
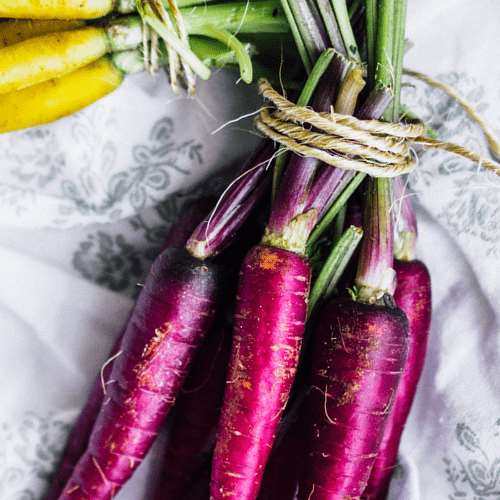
[
  {"x": 192, "y": 432},
  {"x": 269, "y": 322},
  {"x": 174, "y": 311},
  {"x": 359, "y": 350},
  {"x": 78, "y": 438},
  {"x": 413, "y": 296},
  {"x": 358, "y": 357},
  {"x": 268, "y": 326}
]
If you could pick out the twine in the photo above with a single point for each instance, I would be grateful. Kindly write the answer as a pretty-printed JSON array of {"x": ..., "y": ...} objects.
[
  {"x": 373, "y": 147},
  {"x": 493, "y": 142}
]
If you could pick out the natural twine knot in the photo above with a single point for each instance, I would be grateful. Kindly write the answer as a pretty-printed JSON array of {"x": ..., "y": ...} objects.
[{"x": 373, "y": 147}]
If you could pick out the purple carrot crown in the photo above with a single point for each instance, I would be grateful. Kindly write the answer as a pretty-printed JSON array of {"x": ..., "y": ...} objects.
[
  {"x": 405, "y": 222},
  {"x": 376, "y": 277}
]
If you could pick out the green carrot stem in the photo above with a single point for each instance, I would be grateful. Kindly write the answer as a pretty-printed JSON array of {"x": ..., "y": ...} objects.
[
  {"x": 299, "y": 42},
  {"x": 344, "y": 24},
  {"x": 398, "y": 54},
  {"x": 332, "y": 212},
  {"x": 319, "y": 69},
  {"x": 371, "y": 36},
  {"x": 212, "y": 53},
  {"x": 375, "y": 277},
  {"x": 331, "y": 26},
  {"x": 216, "y": 54},
  {"x": 129, "y": 6},
  {"x": 384, "y": 71},
  {"x": 334, "y": 266},
  {"x": 339, "y": 223},
  {"x": 252, "y": 16},
  {"x": 228, "y": 39}
]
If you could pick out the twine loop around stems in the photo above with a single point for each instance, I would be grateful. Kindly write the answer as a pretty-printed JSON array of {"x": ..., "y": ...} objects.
[{"x": 373, "y": 147}]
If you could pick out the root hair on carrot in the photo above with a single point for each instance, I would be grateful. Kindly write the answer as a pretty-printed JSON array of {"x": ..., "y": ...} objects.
[{"x": 103, "y": 367}]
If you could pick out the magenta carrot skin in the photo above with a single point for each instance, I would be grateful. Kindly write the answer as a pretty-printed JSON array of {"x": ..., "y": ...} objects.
[
  {"x": 79, "y": 436},
  {"x": 359, "y": 351},
  {"x": 267, "y": 336},
  {"x": 413, "y": 296},
  {"x": 174, "y": 310},
  {"x": 197, "y": 412}
]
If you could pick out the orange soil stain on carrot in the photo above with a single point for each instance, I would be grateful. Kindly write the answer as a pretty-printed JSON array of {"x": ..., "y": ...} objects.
[
  {"x": 268, "y": 260},
  {"x": 246, "y": 384},
  {"x": 152, "y": 346}
]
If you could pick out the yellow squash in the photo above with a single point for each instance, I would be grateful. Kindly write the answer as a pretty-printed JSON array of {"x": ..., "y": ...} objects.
[
  {"x": 55, "y": 9},
  {"x": 53, "y": 99},
  {"x": 49, "y": 56},
  {"x": 18, "y": 30}
]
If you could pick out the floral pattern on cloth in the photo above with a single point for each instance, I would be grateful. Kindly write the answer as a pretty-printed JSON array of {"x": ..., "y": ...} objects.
[
  {"x": 473, "y": 473},
  {"x": 101, "y": 186},
  {"x": 118, "y": 257},
  {"x": 472, "y": 207},
  {"x": 28, "y": 455}
]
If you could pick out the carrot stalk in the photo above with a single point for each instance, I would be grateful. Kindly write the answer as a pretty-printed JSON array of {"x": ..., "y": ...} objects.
[
  {"x": 221, "y": 225},
  {"x": 376, "y": 277},
  {"x": 335, "y": 265}
]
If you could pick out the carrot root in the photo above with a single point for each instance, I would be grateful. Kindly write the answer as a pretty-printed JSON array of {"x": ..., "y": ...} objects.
[
  {"x": 175, "y": 309},
  {"x": 413, "y": 296},
  {"x": 267, "y": 336},
  {"x": 359, "y": 352}
]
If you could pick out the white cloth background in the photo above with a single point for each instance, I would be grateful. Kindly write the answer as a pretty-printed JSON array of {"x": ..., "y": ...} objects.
[{"x": 81, "y": 218}]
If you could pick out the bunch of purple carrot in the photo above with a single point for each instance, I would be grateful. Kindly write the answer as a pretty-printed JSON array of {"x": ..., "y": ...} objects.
[{"x": 295, "y": 379}]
